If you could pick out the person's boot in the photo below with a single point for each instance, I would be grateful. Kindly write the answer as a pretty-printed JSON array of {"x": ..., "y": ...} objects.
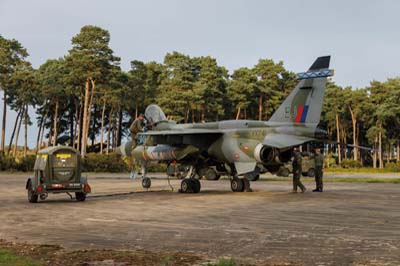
[
  {"x": 315, "y": 190},
  {"x": 303, "y": 190}
]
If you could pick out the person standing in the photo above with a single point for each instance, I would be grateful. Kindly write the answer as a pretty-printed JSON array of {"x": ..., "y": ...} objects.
[
  {"x": 297, "y": 171},
  {"x": 135, "y": 128},
  {"x": 319, "y": 166}
]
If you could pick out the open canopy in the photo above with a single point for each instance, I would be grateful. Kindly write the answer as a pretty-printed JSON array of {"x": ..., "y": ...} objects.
[{"x": 154, "y": 114}]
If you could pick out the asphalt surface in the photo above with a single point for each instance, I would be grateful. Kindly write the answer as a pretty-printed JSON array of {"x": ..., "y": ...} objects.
[{"x": 348, "y": 224}]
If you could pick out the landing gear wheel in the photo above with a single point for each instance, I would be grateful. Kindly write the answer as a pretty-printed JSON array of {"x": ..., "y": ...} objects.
[
  {"x": 237, "y": 185},
  {"x": 196, "y": 186},
  {"x": 246, "y": 185},
  {"x": 146, "y": 182},
  {"x": 80, "y": 196},
  {"x": 32, "y": 197},
  {"x": 210, "y": 174},
  {"x": 186, "y": 186}
]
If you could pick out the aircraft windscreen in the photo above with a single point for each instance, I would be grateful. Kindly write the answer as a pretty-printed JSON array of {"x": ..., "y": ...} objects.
[{"x": 154, "y": 114}]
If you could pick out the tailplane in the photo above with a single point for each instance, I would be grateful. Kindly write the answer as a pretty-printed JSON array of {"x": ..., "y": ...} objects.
[{"x": 304, "y": 103}]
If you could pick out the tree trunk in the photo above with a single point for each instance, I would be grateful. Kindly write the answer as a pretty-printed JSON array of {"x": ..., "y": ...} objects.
[
  {"x": 358, "y": 150},
  {"x": 374, "y": 157},
  {"x": 89, "y": 114},
  {"x": 13, "y": 133},
  {"x": 80, "y": 128},
  {"x": 50, "y": 140},
  {"x": 344, "y": 141},
  {"x": 26, "y": 131},
  {"x": 77, "y": 109},
  {"x": 18, "y": 130},
  {"x": 354, "y": 123},
  {"x": 119, "y": 131},
  {"x": 3, "y": 126},
  {"x": 398, "y": 151},
  {"x": 238, "y": 113},
  {"x": 260, "y": 108},
  {"x": 71, "y": 122},
  {"x": 380, "y": 146},
  {"x": 42, "y": 133},
  {"x": 338, "y": 139},
  {"x": 109, "y": 130},
  {"x": 187, "y": 115},
  {"x": 266, "y": 108},
  {"x": 38, "y": 135},
  {"x": 55, "y": 119},
  {"x": 85, "y": 118},
  {"x": 102, "y": 126}
]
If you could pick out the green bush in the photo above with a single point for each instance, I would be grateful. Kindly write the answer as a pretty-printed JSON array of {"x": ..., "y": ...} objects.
[
  {"x": 24, "y": 164},
  {"x": 157, "y": 168},
  {"x": 393, "y": 167},
  {"x": 7, "y": 163},
  {"x": 348, "y": 163},
  {"x": 223, "y": 262},
  {"x": 104, "y": 163}
]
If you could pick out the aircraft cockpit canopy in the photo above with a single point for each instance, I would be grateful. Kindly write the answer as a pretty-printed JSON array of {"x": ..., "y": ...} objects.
[{"x": 154, "y": 114}]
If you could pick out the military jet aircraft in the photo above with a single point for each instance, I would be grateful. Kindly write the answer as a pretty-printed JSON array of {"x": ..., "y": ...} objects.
[{"x": 241, "y": 149}]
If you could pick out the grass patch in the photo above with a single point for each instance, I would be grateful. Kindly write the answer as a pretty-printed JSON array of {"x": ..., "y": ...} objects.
[
  {"x": 358, "y": 170},
  {"x": 340, "y": 179},
  {"x": 7, "y": 259},
  {"x": 223, "y": 262}
]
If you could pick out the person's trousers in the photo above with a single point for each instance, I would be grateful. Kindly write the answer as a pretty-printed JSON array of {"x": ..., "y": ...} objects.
[
  {"x": 318, "y": 177},
  {"x": 297, "y": 183}
]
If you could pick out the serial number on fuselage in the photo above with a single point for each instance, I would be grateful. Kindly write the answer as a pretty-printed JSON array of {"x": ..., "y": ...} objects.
[{"x": 251, "y": 134}]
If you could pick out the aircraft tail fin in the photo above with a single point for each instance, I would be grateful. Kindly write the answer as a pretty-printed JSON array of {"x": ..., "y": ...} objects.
[{"x": 304, "y": 103}]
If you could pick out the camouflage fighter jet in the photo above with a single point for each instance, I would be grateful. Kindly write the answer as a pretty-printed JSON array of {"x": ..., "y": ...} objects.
[{"x": 241, "y": 149}]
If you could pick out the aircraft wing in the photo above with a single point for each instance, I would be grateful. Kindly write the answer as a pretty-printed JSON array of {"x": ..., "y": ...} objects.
[
  {"x": 284, "y": 141},
  {"x": 186, "y": 131},
  {"x": 200, "y": 138}
]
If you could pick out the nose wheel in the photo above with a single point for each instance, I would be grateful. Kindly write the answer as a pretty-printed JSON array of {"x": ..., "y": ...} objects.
[{"x": 146, "y": 182}]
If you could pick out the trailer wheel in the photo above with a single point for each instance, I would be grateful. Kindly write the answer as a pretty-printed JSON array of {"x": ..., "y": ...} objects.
[
  {"x": 80, "y": 196},
  {"x": 32, "y": 196}
]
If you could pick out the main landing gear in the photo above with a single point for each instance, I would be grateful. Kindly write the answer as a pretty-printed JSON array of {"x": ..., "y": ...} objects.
[
  {"x": 191, "y": 184},
  {"x": 240, "y": 184}
]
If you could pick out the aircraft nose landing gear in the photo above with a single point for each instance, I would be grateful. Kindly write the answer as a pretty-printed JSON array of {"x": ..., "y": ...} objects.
[
  {"x": 146, "y": 182},
  {"x": 190, "y": 185}
]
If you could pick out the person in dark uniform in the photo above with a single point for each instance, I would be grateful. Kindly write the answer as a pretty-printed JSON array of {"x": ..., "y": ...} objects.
[
  {"x": 319, "y": 166},
  {"x": 297, "y": 171}
]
